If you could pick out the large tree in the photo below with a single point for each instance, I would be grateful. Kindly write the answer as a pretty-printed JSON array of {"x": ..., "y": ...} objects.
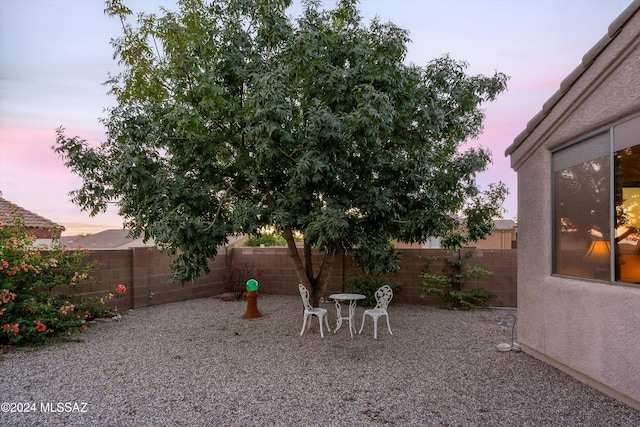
[{"x": 232, "y": 116}]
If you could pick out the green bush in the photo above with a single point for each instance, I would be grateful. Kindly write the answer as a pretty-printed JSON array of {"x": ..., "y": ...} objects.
[
  {"x": 266, "y": 239},
  {"x": 368, "y": 286},
  {"x": 30, "y": 312},
  {"x": 448, "y": 284}
]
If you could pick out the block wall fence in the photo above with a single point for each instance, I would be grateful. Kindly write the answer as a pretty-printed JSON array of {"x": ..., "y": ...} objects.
[{"x": 145, "y": 272}]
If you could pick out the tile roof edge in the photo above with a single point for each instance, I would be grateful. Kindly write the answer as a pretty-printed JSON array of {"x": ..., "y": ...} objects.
[{"x": 26, "y": 214}]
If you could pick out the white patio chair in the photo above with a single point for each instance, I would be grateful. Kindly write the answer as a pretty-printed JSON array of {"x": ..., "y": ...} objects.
[
  {"x": 310, "y": 311},
  {"x": 383, "y": 298}
]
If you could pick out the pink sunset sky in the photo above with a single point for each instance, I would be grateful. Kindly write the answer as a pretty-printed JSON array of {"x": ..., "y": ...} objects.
[{"x": 55, "y": 54}]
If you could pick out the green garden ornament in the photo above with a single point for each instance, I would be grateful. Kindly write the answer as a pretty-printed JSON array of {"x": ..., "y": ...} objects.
[
  {"x": 252, "y": 300},
  {"x": 252, "y": 285}
]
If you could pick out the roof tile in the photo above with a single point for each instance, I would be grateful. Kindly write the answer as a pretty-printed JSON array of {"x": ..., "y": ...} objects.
[{"x": 31, "y": 220}]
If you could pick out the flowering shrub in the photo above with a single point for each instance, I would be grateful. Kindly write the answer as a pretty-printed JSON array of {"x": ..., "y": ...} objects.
[{"x": 31, "y": 313}]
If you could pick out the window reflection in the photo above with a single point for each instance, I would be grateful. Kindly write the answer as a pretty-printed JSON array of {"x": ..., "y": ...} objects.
[
  {"x": 582, "y": 221},
  {"x": 627, "y": 193}
]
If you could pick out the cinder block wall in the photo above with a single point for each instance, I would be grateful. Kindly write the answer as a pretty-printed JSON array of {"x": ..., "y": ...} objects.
[
  {"x": 277, "y": 275},
  {"x": 145, "y": 272},
  {"x": 275, "y": 272},
  {"x": 500, "y": 262}
]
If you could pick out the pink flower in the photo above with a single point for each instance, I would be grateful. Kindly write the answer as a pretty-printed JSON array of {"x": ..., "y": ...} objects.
[
  {"x": 121, "y": 289},
  {"x": 40, "y": 327},
  {"x": 14, "y": 329}
]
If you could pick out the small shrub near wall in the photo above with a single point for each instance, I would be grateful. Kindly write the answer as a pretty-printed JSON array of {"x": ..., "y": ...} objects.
[
  {"x": 236, "y": 277},
  {"x": 449, "y": 282}
]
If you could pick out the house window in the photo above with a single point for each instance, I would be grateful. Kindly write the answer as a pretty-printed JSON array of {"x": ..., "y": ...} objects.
[{"x": 596, "y": 206}]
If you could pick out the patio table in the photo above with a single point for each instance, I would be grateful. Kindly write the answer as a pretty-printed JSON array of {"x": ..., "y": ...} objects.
[{"x": 353, "y": 300}]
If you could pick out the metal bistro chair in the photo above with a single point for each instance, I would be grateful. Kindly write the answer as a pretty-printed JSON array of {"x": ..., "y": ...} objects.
[
  {"x": 310, "y": 311},
  {"x": 383, "y": 298}
]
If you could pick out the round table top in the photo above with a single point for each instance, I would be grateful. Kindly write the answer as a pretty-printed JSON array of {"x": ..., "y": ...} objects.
[{"x": 347, "y": 296}]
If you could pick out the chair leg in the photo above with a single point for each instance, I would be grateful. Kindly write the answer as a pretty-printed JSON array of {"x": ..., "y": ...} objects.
[
  {"x": 320, "y": 322},
  {"x": 362, "y": 326},
  {"x": 389, "y": 326},
  {"x": 304, "y": 324},
  {"x": 326, "y": 322},
  {"x": 375, "y": 327}
]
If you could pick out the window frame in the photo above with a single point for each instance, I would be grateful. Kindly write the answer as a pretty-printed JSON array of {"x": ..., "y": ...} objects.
[{"x": 612, "y": 216}]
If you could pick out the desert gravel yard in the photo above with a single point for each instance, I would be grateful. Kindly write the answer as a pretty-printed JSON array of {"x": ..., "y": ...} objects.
[{"x": 198, "y": 363}]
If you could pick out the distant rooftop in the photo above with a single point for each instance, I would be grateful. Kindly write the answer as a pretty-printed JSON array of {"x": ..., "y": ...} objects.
[
  {"x": 107, "y": 239},
  {"x": 504, "y": 224},
  {"x": 32, "y": 221},
  {"x": 115, "y": 239}
]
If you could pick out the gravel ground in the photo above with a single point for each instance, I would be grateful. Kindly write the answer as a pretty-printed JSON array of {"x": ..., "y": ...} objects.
[{"x": 198, "y": 363}]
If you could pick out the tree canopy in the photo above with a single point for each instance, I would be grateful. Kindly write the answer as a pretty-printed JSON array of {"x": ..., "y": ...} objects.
[{"x": 232, "y": 116}]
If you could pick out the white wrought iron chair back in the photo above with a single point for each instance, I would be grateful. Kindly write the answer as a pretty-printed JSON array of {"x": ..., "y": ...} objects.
[
  {"x": 309, "y": 310},
  {"x": 383, "y": 296},
  {"x": 304, "y": 293}
]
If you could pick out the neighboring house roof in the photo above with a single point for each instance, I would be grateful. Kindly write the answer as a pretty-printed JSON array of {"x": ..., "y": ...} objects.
[
  {"x": 108, "y": 239},
  {"x": 568, "y": 82},
  {"x": 504, "y": 224},
  {"x": 498, "y": 224},
  {"x": 31, "y": 220},
  {"x": 114, "y": 239}
]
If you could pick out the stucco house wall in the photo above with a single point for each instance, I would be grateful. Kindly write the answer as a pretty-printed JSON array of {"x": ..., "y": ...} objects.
[{"x": 590, "y": 330}]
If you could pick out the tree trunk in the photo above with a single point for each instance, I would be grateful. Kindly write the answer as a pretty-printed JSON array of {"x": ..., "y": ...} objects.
[
  {"x": 316, "y": 285},
  {"x": 295, "y": 257},
  {"x": 322, "y": 281}
]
